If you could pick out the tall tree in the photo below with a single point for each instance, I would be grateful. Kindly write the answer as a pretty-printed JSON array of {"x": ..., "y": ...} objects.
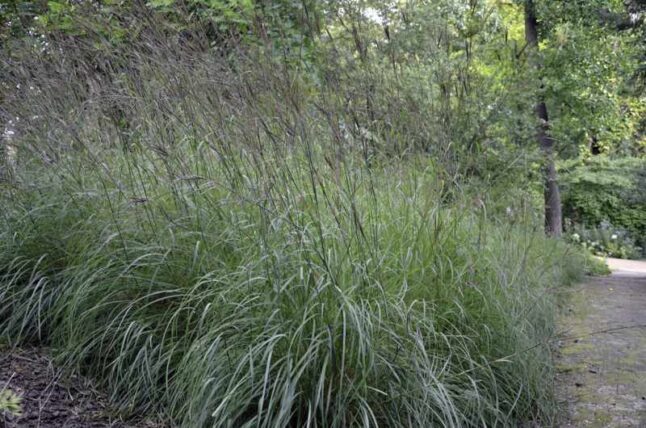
[{"x": 553, "y": 216}]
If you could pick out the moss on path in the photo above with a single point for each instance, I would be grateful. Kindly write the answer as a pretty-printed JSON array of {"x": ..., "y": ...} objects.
[{"x": 602, "y": 362}]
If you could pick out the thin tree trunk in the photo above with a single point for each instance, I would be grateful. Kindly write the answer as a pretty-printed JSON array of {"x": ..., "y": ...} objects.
[{"x": 553, "y": 216}]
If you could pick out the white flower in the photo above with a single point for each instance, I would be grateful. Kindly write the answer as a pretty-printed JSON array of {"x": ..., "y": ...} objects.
[
  {"x": 614, "y": 236},
  {"x": 576, "y": 236}
]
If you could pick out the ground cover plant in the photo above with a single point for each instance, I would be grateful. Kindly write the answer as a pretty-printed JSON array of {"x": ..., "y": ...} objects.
[{"x": 225, "y": 227}]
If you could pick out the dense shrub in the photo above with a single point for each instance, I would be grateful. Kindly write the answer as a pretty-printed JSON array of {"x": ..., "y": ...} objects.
[{"x": 602, "y": 191}]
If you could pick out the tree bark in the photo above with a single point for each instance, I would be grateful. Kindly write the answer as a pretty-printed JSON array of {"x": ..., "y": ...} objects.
[{"x": 553, "y": 215}]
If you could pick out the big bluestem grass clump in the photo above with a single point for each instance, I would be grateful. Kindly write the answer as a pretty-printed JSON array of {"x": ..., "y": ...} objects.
[{"x": 200, "y": 239}]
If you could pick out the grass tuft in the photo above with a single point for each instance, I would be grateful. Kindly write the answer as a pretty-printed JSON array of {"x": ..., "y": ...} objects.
[{"x": 219, "y": 263}]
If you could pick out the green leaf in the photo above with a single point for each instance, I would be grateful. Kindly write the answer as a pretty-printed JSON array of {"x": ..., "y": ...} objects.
[
  {"x": 160, "y": 3},
  {"x": 56, "y": 7}
]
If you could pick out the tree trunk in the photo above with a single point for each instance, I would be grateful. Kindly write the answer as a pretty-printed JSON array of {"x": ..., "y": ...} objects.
[{"x": 553, "y": 216}]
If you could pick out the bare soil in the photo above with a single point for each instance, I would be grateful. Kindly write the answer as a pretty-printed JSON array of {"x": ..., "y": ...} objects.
[
  {"x": 50, "y": 397},
  {"x": 602, "y": 363}
]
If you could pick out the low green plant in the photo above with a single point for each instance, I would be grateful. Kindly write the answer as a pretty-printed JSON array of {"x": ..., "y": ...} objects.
[
  {"x": 606, "y": 241},
  {"x": 10, "y": 403},
  {"x": 596, "y": 266}
]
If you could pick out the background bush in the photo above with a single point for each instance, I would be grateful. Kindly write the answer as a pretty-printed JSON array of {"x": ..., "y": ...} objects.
[{"x": 605, "y": 193}]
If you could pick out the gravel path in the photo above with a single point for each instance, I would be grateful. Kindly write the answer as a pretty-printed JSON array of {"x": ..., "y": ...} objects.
[{"x": 602, "y": 362}]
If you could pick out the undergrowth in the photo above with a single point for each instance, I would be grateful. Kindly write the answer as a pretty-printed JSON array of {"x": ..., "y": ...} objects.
[{"x": 218, "y": 261}]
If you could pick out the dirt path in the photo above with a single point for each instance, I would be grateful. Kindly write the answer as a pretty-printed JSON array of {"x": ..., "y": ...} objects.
[{"x": 602, "y": 362}]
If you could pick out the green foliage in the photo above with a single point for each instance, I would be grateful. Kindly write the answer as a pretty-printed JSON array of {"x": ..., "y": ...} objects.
[
  {"x": 605, "y": 241},
  {"x": 108, "y": 21},
  {"x": 226, "y": 15},
  {"x": 459, "y": 68},
  {"x": 596, "y": 266},
  {"x": 9, "y": 403},
  {"x": 226, "y": 256},
  {"x": 586, "y": 82},
  {"x": 601, "y": 190},
  {"x": 293, "y": 212},
  {"x": 212, "y": 310}
]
